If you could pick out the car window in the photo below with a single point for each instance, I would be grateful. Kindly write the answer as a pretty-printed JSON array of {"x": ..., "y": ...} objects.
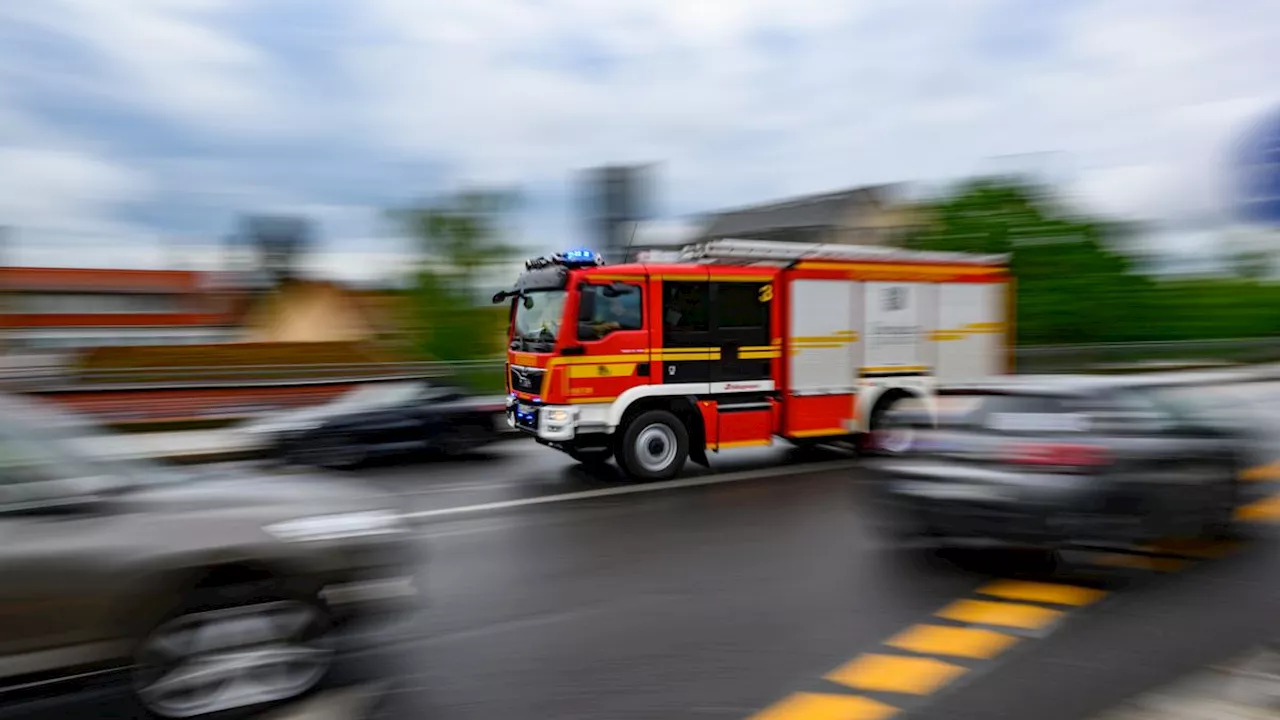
[
  {"x": 1033, "y": 414},
  {"x": 1127, "y": 411},
  {"x": 47, "y": 452}
]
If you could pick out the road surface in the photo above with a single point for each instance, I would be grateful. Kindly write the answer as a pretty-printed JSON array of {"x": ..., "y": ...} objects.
[{"x": 760, "y": 591}]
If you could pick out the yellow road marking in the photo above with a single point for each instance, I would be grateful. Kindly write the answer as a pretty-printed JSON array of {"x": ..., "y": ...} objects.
[
  {"x": 1140, "y": 562},
  {"x": 953, "y": 641},
  {"x": 1263, "y": 510},
  {"x": 1001, "y": 614},
  {"x": 1207, "y": 549},
  {"x": 821, "y": 706},
  {"x": 1042, "y": 592},
  {"x": 896, "y": 674},
  {"x": 1262, "y": 473}
]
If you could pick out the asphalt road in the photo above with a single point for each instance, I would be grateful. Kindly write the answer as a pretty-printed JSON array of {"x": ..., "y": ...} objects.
[{"x": 760, "y": 590}]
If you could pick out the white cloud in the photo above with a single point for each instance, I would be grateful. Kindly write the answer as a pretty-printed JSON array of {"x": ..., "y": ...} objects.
[
  {"x": 44, "y": 189},
  {"x": 176, "y": 58},
  {"x": 866, "y": 93},
  {"x": 738, "y": 101}
]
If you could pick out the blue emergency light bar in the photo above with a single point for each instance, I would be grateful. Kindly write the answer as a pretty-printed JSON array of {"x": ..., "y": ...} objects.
[{"x": 572, "y": 259}]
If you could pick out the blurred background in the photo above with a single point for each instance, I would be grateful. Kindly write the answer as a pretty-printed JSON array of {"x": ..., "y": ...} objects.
[
  {"x": 202, "y": 185},
  {"x": 216, "y": 213}
]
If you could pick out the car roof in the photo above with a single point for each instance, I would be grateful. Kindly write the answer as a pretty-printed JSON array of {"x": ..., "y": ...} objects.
[{"x": 1080, "y": 384}]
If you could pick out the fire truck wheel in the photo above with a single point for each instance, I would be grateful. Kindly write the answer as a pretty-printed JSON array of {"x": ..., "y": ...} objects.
[
  {"x": 886, "y": 437},
  {"x": 654, "y": 446}
]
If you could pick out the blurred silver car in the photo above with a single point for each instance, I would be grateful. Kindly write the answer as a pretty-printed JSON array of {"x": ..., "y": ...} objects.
[
  {"x": 198, "y": 594},
  {"x": 1049, "y": 461}
]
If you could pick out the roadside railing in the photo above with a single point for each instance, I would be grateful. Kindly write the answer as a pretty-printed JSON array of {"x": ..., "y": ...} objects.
[
  {"x": 182, "y": 396},
  {"x": 1029, "y": 359}
]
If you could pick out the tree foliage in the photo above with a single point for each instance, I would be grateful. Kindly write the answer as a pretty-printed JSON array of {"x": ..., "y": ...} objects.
[
  {"x": 1074, "y": 287},
  {"x": 457, "y": 236}
]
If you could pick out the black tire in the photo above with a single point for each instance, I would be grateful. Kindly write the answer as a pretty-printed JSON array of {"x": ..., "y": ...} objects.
[
  {"x": 462, "y": 439},
  {"x": 654, "y": 446},
  {"x": 329, "y": 450},
  {"x": 309, "y": 635},
  {"x": 1222, "y": 526}
]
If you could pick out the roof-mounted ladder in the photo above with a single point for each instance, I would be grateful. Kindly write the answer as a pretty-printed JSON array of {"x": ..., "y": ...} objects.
[{"x": 772, "y": 251}]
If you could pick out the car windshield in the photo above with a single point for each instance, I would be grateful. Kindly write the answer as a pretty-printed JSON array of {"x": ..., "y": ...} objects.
[
  {"x": 538, "y": 315},
  {"x": 383, "y": 393},
  {"x": 1194, "y": 402},
  {"x": 46, "y": 453}
]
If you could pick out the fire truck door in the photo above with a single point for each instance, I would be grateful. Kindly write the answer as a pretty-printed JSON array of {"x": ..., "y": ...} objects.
[
  {"x": 686, "y": 346},
  {"x": 740, "y": 326}
]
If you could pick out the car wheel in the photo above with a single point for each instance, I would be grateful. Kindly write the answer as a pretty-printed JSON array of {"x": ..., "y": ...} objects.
[
  {"x": 886, "y": 437},
  {"x": 1226, "y": 501},
  {"x": 233, "y": 661},
  {"x": 463, "y": 439},
  {"x": 655, "y": 446},
  {"x": 330, "y": 451}
]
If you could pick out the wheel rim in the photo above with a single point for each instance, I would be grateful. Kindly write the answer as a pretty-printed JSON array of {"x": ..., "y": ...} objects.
[
  {"x": 655, "y": 447},
  {"x": 212, "y": 662}
]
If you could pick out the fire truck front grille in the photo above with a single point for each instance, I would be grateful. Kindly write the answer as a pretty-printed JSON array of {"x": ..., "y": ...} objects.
[{"x": 526, "y": 380}]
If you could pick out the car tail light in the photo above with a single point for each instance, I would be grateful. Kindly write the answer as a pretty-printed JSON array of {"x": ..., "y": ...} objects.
[{"x": 1067, "y": 455}]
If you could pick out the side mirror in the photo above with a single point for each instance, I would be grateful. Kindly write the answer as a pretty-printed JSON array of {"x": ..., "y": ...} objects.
[{"x": 500, "y": 297}]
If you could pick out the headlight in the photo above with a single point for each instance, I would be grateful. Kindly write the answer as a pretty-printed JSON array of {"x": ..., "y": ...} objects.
[
  {"x": 335, "y": 527},
  {"x": 558, "y": 416}
]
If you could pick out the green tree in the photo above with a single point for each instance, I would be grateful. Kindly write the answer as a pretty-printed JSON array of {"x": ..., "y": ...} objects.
[
  {"x": 457, "y": 237},
  {"x": 1072, "y": 288}
]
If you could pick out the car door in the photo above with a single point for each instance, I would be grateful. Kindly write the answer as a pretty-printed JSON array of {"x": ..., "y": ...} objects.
[{"x": 56, "y": 550}]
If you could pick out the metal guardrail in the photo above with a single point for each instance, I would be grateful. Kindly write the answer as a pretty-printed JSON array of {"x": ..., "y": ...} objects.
[
  {"x": 1029, "y": 359},
  {"x": 1065, "y": 358}
]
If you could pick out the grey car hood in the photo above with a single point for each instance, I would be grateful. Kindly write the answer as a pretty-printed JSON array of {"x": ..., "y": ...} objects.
[{"x": 258, "y": 495}]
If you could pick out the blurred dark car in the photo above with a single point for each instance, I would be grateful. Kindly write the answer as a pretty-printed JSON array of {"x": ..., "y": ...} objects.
[
  {"x": 1062, "y": 460},
  {"x": 380, "y": 420},
  {"x": 184, "y": 594}
]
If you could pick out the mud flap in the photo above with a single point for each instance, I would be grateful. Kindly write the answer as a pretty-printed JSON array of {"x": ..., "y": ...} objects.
[{"x": 698, "y": 454}]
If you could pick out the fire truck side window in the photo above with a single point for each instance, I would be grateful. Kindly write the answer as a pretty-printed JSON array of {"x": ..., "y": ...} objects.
[
  {"x": 738, "y": 305},
  {"x": 610, "y": 311},
  {"x": 685, "y": 307}
]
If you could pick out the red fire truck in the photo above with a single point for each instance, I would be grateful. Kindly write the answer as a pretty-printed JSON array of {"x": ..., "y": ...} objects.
[{"x": 737, "y": 343}]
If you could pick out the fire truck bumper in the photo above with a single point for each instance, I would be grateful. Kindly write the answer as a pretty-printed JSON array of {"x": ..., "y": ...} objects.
[{"x": 552, "y": 423}]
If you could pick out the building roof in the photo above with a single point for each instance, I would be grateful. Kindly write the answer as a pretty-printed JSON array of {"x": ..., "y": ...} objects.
[
  {"x": 811, "y": 211},
  {"x": 44, "y": 279}
]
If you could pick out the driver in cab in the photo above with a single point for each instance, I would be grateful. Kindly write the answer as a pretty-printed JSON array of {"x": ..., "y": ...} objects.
[{"x": 618, "y": 313}]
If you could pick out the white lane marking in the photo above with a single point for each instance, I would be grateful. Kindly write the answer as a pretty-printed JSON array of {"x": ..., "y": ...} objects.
[
  {"x": 633, "y": 489},
  {"x": 460, "y": 487}
]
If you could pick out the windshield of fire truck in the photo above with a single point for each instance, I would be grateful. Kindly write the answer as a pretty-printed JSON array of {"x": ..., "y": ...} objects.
[{"x": 538, "y": 316}]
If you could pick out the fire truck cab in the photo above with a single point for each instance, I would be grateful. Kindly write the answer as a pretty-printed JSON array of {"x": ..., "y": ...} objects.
[{"x": 737, "y": 343}]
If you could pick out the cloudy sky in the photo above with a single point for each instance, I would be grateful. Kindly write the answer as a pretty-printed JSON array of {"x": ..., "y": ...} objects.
[{"x": 133, "y": 131}]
